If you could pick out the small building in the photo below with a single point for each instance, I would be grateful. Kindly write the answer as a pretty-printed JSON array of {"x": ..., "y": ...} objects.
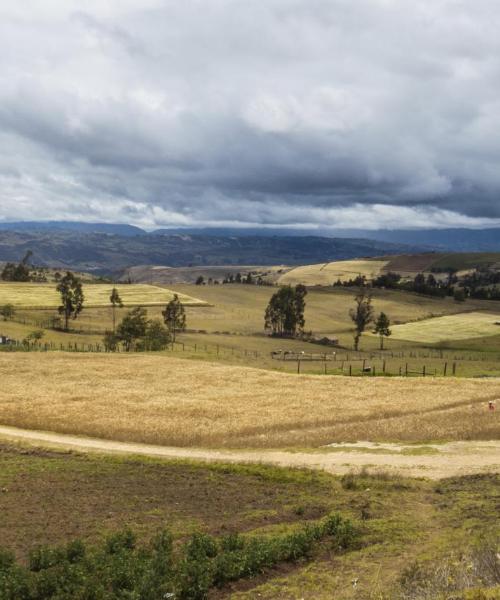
[{"x": 4, "y": 340}]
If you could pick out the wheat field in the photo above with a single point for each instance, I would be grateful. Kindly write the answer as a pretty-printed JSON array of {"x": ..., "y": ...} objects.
[
  {"x": 328, "y": 273},
  {"x": 171, "y": 401},
  {"x": 44, "y": 295}
]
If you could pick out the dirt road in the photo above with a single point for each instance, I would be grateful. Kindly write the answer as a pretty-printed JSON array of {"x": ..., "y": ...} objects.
[{"x": 432, "y": 460}]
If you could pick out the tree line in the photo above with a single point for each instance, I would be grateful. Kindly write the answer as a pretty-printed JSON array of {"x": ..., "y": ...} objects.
[{"x": 481, "y": 284}]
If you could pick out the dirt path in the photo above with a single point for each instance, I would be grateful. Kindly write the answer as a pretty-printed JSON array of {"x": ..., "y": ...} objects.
[{"x": 434, "y": 461}]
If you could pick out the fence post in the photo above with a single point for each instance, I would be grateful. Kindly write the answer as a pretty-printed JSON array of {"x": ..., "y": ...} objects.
[
  {"x": 454, "y": 368},
  {"x": 350, "y": 370},
  {"x": 445, "y": 369},
  {"x": 383, "y": 367},
  {"x": 298, "y": 366},
  {"x": 423, "y": 371},
  {"x": 406, "y": 370}
]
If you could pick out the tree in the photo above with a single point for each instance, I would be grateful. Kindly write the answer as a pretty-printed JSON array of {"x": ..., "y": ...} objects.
[
  {"x": 284, "y": 314},
  {"x": 115, "y": 301},
  {"x": 133, "y": 327},
  {"x": 459, "y": 295},
  {"x": 200, "y": 280},
  {"x": 157, "y": 337},
  {"x": 174, "y": 317},
  {"x": 7, "y": 311},
  {"x": 382, "y": 328},
  {"x": 34, "y": 336},
  {"x": 361, "y": 315},
  {"x": 72, "y": 298}
]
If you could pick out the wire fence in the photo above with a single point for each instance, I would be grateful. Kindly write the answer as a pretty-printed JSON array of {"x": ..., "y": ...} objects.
[{"x": 408, "y": 363}]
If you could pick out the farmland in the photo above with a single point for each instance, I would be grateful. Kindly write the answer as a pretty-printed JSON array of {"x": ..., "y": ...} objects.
[
  {"x": 449, "y": 328},
  {"x": 186, "y": 403},
  {"x": 217, "y": 395},
  {"x": 328, "y": 273},
  {"x": 226, "y": 326},
  {"x": 51, "y": 497},
  {"x": 44, "y": 295}
]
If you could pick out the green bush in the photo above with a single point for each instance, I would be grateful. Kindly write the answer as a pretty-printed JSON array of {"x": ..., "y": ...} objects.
[{"x": 121, "y": 570}]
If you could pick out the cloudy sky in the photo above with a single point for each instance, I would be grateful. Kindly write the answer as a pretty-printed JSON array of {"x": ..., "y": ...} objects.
[{"x": 315, "y": 113}]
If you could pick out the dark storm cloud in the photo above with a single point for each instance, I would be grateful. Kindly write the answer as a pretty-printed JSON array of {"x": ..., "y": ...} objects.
[{"x": 329, "y": 113}]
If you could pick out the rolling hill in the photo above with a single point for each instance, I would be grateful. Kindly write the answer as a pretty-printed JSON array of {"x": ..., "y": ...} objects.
[{"x": 103, "y": 252}]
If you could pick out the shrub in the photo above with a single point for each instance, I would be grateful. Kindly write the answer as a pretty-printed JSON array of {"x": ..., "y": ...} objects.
[
  {"x": 123, "y": 540},
  {"x": 119, "y": 570}
]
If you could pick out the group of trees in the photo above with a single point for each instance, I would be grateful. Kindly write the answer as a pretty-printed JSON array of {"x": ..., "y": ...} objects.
[
  {"x": 18, "y": 272},
  {"x": 284, "y": 314},
  {"x": 137, "y": 332},
  {"x": 248, "y": 279},
  {"x": 23, "y": 271},
  {"x": 480, "y": 284}
]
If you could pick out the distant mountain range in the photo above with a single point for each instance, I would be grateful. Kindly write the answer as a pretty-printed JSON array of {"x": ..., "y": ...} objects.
[
  {"x": 111, "y": 248},
  {"x": 453, "y": 240},
  {"x": 105, "y": 252},
  {"x": 115, "y": 228}
]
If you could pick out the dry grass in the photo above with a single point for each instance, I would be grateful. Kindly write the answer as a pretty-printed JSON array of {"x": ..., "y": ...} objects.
[
  {"x": 452, "y": 327},
  {"x": 44, "y": 295},
  {"x": 328, "y": 273},
  {"x": 171, "y": 401}
]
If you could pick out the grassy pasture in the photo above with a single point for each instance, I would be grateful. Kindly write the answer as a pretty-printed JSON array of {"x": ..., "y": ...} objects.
[
  {"x": 230, "y": 320},
  {"x": 170, "y": 401},
  {"x": 328, "y": 273},
  {"x": 44, "y": 295},
  {"x": 449, "y": 328},
  {"x": 240, "y": 308}
]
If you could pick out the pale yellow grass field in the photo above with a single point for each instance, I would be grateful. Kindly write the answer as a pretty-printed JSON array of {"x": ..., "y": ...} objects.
[
  {"x": 44, "y": 295},
  {"x": 171, "y": 401},
  {"x": 451, "y": 327},
  {"x": 328, "y": 273}
]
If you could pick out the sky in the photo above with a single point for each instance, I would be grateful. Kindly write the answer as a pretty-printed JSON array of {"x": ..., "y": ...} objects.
[{"x": 323, "y": 114}]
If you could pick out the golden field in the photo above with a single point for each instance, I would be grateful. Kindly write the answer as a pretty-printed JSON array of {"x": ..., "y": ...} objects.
[
  {"x": 450, "y": 327},
  {"x": 171, "y": 401},
  {"x": 44, "y": 295},
  {"x": 329, "y": 273}
]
